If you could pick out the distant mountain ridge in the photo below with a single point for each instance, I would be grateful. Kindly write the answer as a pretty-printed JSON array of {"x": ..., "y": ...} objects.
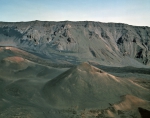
[{"x": 114, "y": 44}]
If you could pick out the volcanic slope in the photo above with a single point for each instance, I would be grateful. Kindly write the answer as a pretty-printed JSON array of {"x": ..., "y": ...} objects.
[
  {"x": 86, "y": 86},
  {"x": 21, "y": 81},
  {"x": 12, "y": 51},
  {"x": 112, "y": 44}
]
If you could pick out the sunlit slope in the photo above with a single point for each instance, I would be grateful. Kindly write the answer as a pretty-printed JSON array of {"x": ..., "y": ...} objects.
[
  {"x": 113, "y": 44},
  {"x": 86, "y": 86}
]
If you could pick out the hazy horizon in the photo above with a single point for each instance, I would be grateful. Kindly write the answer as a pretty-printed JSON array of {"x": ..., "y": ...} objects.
[{"x": 132, "y": 12}]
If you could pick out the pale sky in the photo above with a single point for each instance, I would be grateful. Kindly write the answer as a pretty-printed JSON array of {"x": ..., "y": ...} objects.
[{"x": 133, "y": 12}]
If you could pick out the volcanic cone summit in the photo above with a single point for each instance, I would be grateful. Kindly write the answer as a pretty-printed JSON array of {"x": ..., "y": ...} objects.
[{"x": 86, "y": 86}]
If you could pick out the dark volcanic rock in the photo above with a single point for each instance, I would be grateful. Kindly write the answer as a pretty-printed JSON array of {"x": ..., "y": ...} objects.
[{"x": 144, "y": 113}]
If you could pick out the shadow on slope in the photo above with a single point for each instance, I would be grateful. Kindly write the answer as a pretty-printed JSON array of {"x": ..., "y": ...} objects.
[{"x": 86, "y": 86}]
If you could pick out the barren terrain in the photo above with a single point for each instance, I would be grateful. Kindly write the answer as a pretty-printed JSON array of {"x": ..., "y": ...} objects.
[{"x": 74, "y": 70}]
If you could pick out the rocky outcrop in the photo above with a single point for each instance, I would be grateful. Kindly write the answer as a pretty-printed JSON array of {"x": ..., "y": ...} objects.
[{"x": 108, "y": 43}]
